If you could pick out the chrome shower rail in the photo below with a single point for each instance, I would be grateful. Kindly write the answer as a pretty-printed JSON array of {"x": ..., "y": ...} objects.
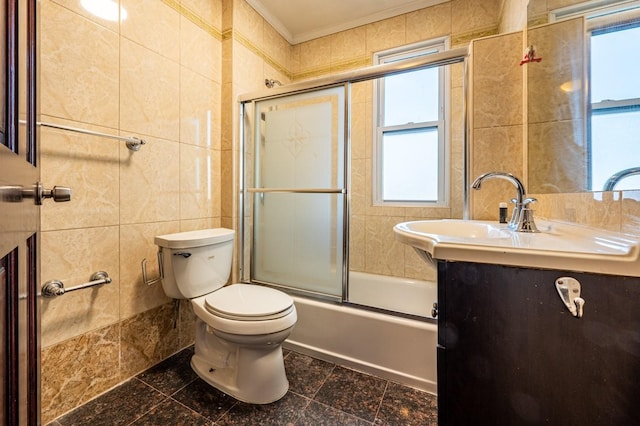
[
  {"x": 133, "y": 143},
  {"x": 55, "y": 288},
  {"x": 299, "y": 190}
]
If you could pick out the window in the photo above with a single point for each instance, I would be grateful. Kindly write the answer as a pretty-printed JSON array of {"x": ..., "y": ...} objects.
[{"x": 410, "y": 147}]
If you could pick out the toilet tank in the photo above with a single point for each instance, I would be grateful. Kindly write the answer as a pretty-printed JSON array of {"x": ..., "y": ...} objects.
[{"x": 195, "y": 263}]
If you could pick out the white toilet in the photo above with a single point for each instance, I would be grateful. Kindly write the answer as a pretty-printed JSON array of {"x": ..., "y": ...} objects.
[{"x": 240, "y": 327}]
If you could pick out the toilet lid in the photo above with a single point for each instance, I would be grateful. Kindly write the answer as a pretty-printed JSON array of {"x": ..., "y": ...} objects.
[{"x": 248, "y": 302}]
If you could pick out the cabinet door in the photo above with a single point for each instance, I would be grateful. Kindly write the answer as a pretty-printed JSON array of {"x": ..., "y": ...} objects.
[{"x": 511, "y": 353}]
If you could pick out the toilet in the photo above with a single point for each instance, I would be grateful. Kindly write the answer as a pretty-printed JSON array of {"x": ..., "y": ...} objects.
[{"x": 239, "y": 327}]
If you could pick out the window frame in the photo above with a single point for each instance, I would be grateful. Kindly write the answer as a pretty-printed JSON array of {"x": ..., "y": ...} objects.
[{"x": 379, "y": 130}]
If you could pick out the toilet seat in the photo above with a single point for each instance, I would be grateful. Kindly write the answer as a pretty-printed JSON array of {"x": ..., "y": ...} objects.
[
  {"x": 248, "y": 302},
  {"x": 272, "y": 317}
]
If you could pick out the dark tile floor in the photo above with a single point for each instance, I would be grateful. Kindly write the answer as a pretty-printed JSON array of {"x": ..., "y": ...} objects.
[{"x": 320, "y": 393}]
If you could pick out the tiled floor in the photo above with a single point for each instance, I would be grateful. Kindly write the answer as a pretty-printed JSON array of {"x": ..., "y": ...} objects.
[{"x": 320, "y": 393}]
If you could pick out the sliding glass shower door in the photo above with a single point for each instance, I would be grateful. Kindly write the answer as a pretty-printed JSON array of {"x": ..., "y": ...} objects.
[{"x": 299, "y": 191}]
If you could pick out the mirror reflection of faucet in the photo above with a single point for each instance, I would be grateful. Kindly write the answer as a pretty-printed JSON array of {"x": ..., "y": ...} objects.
[
  {"x": 522, "y": 217},
  {"x": 618, "y": 176}
]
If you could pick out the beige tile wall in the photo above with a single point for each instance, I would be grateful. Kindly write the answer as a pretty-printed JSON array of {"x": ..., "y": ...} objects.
[{"x": 156, "y": 75}]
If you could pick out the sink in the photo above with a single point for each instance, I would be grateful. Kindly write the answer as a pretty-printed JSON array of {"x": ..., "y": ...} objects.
[{"x": 558, "y": 245}]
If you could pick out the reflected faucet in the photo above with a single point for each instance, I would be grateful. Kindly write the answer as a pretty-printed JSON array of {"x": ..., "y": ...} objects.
[
  {"x": 522, "y": 216},
  {"x": 618, "y": 176}
]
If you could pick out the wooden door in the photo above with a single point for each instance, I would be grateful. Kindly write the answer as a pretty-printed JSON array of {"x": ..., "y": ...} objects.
[{"x": 19, "y": 217}]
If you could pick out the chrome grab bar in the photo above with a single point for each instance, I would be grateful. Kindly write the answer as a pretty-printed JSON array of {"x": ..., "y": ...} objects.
[{"x": 53, "y": 288}]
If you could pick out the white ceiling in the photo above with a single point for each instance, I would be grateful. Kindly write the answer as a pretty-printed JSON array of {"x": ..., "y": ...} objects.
[{"x": 302, "y": 20}]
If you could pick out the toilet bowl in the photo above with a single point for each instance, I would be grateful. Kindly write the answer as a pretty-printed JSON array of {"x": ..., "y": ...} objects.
[{"x": 239, "y": 327}]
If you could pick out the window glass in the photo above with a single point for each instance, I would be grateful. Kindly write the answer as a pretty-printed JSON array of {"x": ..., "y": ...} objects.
[
  {"x": 615, "y": 105},
  {"x": 410, "y": 165},
  {"x": 612, "y": 56},
  {"x": 411, "y": 97}
]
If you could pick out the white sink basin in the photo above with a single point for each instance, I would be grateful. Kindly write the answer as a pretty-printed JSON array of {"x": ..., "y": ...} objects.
[{"x": 557, "y": 246}]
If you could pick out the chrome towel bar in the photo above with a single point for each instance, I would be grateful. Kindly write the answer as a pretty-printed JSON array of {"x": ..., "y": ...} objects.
[
  {"x": 53, "y": 288},
  {"x": 132, "y": 142}
]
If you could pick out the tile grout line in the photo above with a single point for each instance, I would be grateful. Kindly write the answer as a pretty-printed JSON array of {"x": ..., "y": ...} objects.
[{"x": 386, "y": 386}]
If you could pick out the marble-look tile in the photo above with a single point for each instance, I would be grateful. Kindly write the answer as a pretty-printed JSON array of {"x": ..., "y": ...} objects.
[
  {"x": 228, "y": 192},
  {"x": 386, "y": 34},
  {"x": 359, "y": 127},
  {"x": 595, "y": 209},
  {"x": 149, "y": 84},
  {"x": 352, "y": 392},
  {"x": 186, "y": 324},
  {"x": 205, "y": 399},
  {"x": 306, "y": 374},
  {"x": 348, "y": 45},
  {"x": 157, "y": 34},
  {"x": 282, "y": 412},
  {"x": 276, "y": 48},
  {"x": 149, "y": 183},
  {"x": 315, "y": 55},
  {"x": 554, "y": 83},
  {"x": 210, "y": 11},
  {"x": 405, "y": 406},
  {"x": 121, "y": 406},
  {"x": 200, "y": 51},
  {"x": 248, "y": 74},
  {"x": 77, "y": 370},
  {"x": 136, "y": 244},
  {"x": 415, "y": 267},
  {"x": 196, "y": 224},
  {"x": 495, "y": 149},
  {"x": 248, "y": 22},
  {"x": 199, "y": 182},
  {"x": 359, "y": 188},
  {"x": 384, "y": 255},
  {"x": 472, "y": 15},
  {"x": 89, "y": 166},
  {"x": 557, "y": 167},
  {"x": 172, "y": 374},
  {"x": 146, "y": 339},
  {"x": 72, "y": 256},
  {"x": 317, "y": 414},
  {"x": 630, "y": 220},
  {"x": 357, "y": 244},
  {"x": 199, "y": 110},
  {"x": 428, "y": 23},
  {"x": 78, "y": 67},
  {"x": 76, "y": 7},
  {"x": 497, "y": 81},
  {"x": 170, "y": 412}
]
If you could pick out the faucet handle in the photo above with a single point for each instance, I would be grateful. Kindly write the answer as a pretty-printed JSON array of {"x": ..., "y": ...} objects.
[{"x": 527, "y": 201}]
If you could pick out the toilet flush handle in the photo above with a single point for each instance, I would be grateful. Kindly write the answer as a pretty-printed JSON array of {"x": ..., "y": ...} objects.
[{"x": 183, "y": 254}]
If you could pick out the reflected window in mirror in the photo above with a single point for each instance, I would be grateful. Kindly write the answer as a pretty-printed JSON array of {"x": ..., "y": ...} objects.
[
  {"x": 615, "y": 106},
  {"x": 613, "y": 119},
  {"x": 410, "y": 146}
]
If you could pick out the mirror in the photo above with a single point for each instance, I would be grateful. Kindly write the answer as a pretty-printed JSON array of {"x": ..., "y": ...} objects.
[{"x": 583, "y": 98}]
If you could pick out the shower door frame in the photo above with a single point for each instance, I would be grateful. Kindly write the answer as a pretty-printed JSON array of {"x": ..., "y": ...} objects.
[{"x": 345, "y": 79}]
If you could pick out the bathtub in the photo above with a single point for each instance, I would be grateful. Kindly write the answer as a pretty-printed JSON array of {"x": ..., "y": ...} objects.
[{"x": 392, "y": 347}]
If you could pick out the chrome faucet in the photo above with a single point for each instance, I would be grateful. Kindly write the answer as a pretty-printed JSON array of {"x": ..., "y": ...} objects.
[
  {"x": 618, "y": 176},
  {"x": 522, "y": 216}
]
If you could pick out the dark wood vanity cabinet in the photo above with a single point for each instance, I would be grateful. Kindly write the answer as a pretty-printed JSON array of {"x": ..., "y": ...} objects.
[{"x": 511, "y": 353}]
